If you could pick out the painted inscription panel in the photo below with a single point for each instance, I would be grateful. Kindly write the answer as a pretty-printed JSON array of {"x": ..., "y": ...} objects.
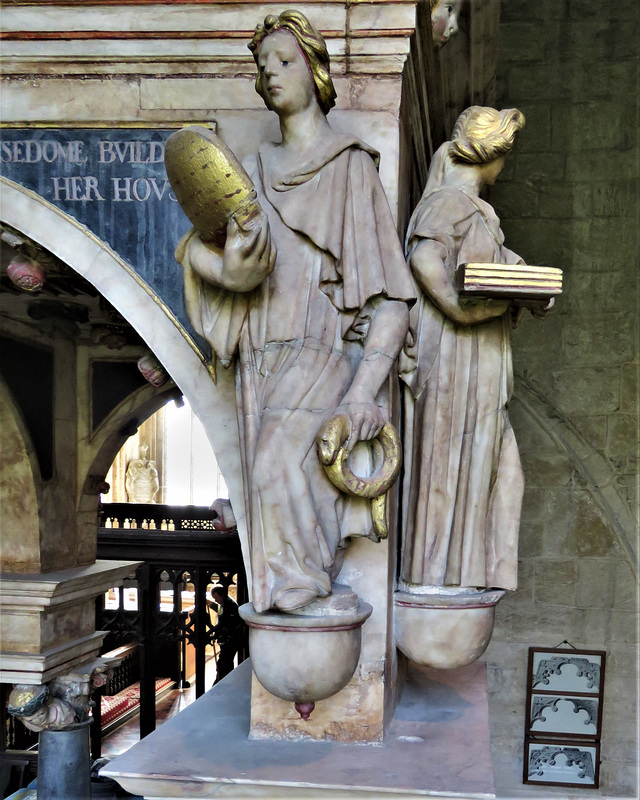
[{"x": 113, "y": 181}]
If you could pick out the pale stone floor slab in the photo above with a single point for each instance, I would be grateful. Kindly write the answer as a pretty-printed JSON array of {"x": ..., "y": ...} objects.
[{"x": 437, "y": 746}]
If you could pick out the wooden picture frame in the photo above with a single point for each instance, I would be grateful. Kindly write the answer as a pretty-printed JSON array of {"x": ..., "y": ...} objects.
[
  {"x": 559, "y": 670},
  {"x": 563, "y": 721},
  {"x": 563, "y": 715},
  {"x": 565, "y": 692},
  {"x": 556, "y": 762}
]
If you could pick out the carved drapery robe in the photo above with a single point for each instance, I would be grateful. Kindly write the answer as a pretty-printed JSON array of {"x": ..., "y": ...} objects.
[
  {"x": 297, "y": 340},
  {"x": 463, "y": 483}
]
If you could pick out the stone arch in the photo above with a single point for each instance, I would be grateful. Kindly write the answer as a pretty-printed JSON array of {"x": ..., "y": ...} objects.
[
  {"x": 19, "y": 495},
  {"x": 108, "y": 440},
  {"x": 111, "y": 435},
  {"x": 213, "y": 402},
  {"x": 594, "y": 469}
]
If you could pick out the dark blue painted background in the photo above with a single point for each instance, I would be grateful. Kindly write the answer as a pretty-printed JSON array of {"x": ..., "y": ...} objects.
[{"x": 143, "y": 226}]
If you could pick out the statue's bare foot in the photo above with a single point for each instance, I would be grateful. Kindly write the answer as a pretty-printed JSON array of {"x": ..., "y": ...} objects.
[{"x": 293, "y": 599}]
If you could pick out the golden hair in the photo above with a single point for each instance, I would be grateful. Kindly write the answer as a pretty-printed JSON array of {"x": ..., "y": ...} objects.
[
  {"x": 313, "y": 48},
  {"x": 482, "y": 134}
]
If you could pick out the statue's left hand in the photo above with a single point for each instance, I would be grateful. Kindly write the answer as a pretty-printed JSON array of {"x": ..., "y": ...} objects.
[{"x": 541, "y": 311}]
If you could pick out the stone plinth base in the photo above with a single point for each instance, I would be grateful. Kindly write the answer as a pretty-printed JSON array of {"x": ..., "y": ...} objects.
[
  {"x": 352, "y": 715},
  {"x": 47, "y": 626},
  {"x": 30, "y": 668},
  {"x": 437, "y": 744},
  {"x": 309, "y": 657},
  {"x": 445, "y": 628}
]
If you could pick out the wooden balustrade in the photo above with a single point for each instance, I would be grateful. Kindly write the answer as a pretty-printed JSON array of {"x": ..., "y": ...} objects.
[
  {"x": 181, "y": 560},
  {"x": 156, "y": 516},
  {"x": 178, "y": 563}
]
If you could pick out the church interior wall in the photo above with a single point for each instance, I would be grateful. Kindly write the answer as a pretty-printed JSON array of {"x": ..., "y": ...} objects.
[{"x": 569, "y": 198}]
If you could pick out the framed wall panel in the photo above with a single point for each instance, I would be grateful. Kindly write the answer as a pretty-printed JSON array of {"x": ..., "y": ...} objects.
[
  {"x": 563, "y": 719},
  {"x": 566, "y": 715},
  {"x": 562, "y": 763},
  {"x": 565, "y": 671}
]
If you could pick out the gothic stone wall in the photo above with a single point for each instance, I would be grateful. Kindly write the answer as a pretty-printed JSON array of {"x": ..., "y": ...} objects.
[{"x": 569, "y": 198}]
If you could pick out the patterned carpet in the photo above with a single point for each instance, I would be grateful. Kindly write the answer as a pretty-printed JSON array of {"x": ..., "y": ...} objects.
[
  {"x": 171, "y": 704},
  {"x": 118, "y": 705}
]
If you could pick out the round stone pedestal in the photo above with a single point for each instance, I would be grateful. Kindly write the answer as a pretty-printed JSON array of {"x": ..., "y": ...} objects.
[
  {"x": 444, "y": 627},
  {"x": 303, "y": 657},
  {"x": 63, "y": 764}
]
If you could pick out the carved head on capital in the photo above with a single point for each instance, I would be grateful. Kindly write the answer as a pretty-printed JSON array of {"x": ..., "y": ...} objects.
[
  {"x": 312, "y": 46},
  {"x": 444, "y": 20}
]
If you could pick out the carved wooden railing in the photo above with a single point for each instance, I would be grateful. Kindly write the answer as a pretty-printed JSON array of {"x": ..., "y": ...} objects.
[
  {"x": 123, "y": 669},
  {"x": 178, "y": 563},
  {"x": 156, "y": 516}
]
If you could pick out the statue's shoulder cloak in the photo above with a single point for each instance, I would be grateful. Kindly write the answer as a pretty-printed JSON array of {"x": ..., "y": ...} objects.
[{"x": 336, "y": 200}]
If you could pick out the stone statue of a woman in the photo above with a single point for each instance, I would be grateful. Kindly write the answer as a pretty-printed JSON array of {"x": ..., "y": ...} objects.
[
  {"x": 310, "y": 302},
  {"x": 463, "y": 481}
]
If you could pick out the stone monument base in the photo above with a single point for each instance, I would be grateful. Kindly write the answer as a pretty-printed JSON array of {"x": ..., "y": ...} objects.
[
  {"x": 48, "y": 619},
  {"x": 436, "y": 745}
]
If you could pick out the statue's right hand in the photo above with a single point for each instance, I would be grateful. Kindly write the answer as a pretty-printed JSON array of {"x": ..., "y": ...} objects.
[
  {"x": 482, "y": 309},
  {"x": 204, "y": 259},
  {"x": 249, "y": 254}
]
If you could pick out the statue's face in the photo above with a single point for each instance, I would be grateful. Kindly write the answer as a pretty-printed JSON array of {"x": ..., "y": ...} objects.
[
  {"x": 444, "y": 21},
  {"x": 285, "y": 76}
]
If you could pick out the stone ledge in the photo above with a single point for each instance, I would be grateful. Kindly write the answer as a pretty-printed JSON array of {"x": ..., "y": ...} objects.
[
  {"x": 44, "y": 617},
  {"x": 42, "y": 667},
  {"x": 33, "y": 593},
  {"x": 437, "y": 745},
  {"x": 366, "y": 37}
]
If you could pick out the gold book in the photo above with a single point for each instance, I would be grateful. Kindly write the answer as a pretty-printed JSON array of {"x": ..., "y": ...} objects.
[{"x": 519, "y": 281}]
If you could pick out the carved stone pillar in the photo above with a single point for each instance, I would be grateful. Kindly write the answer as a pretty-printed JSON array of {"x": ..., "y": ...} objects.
[{"x": 59, "y": 711}]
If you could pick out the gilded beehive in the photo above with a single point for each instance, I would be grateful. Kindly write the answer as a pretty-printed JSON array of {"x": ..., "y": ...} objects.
[{"x": 209, "y": 182}]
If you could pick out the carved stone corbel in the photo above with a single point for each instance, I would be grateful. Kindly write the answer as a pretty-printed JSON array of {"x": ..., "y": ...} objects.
[{"x": 58, "y": 705}]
